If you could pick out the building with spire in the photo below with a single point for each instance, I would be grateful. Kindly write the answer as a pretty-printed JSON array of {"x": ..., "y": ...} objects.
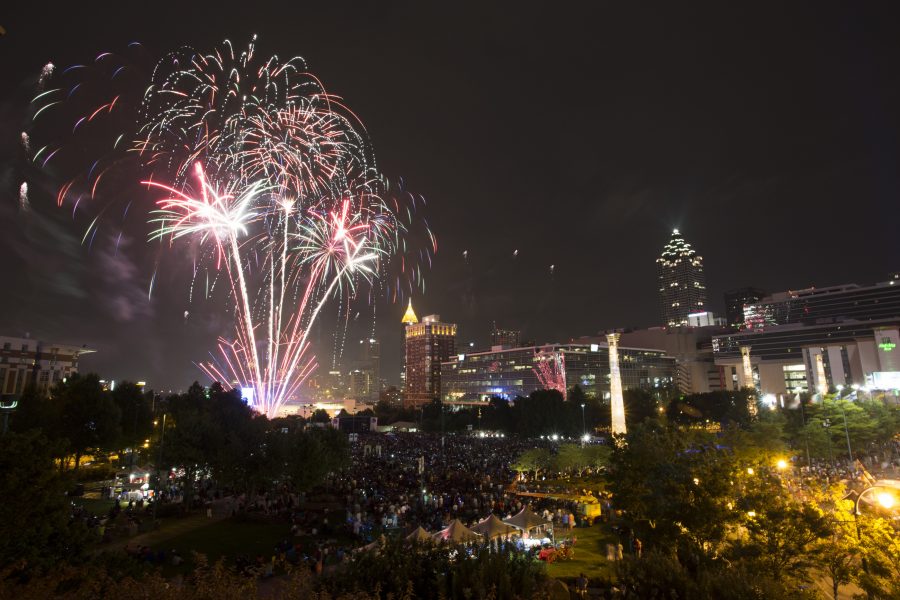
[
  {"x": 682, "y": 283},
  {"x": 428, "y": 344},
  {"x": 409, "y": 318}
]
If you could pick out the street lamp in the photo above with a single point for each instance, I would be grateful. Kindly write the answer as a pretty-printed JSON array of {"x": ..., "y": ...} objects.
[
  {"x": 781, "y": 464},
  {"x": 884, "y": 498}
]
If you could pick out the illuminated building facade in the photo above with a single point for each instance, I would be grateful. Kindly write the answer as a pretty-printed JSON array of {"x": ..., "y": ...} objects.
[
  {"x": 823, "y": 305},
  {"x": 691, "y": 347},
  {"x": 428, "y": 344},
  {"x": 811, "y": 358},
  {"x": 504, "y": 337},
  {"x": 816, "y": 339},
  {"x": 27, "y": 362},
  {"x": 682, "y": 283},
  {"x": 509, "y": 372},
  {"x": 736, "y": 300}
]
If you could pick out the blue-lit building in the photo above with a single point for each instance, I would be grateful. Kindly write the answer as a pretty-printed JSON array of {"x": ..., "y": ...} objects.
[{"x": 509, "y": 372}]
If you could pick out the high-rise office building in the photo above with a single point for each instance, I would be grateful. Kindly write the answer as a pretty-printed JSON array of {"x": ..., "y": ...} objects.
[
  {"x": 735, "y": 300},
  {"x": 682, "y": 284},
  {"x": 504, "y": 337},
  {"x": 428, "y": 344},
  {"x": 370, "y": 364},
  {"x": 409, "y": 318}
]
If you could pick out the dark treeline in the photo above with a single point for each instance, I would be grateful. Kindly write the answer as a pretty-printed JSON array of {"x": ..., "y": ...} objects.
[{"x": 199, "y": 440}]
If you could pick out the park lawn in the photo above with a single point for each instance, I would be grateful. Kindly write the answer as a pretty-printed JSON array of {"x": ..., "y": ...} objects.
[
  {"x": 590, "y": 555},
  {"x": 228, "y": 539},
  {"x": 97, "y": 506}
]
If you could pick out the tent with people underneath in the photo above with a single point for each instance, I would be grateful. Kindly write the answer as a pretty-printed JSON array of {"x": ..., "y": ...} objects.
[
  {"x": 492, "y": 527},
  {"x": 456, "y": 532},
  {"x": 419, "y": 535},
  {"x": 526, "y": 521}
]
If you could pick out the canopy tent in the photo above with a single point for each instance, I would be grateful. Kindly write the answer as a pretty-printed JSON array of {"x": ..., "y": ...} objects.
[
  {"x": 526, "y": 520},
  {"x": 455, "y": 532},
  {"x": 419, "y": 535},
  {"x": 374, "y": 546},
  {"x": 492, "y": 527}
]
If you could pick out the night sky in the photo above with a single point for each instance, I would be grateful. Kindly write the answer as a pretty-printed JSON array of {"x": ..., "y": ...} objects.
[{"x": 579, "y": 136}]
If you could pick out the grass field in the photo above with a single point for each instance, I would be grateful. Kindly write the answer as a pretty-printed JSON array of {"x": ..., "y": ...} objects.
[
  {"x": 590, "y": 555},
  {"x": 230, "y": 538},
  {"x": 96, "y": 506}
]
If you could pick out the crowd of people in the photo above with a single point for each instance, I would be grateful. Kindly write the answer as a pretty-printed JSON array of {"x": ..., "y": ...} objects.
[{"x": 409, "y": 480}]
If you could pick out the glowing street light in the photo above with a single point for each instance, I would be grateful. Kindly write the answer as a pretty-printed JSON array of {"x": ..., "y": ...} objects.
[
  {"x": 781, "y": 464},
  {"x": 886, "y": 500}
]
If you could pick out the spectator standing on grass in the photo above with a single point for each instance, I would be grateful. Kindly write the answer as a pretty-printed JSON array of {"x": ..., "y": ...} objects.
[{"x": 581, "y": 585}]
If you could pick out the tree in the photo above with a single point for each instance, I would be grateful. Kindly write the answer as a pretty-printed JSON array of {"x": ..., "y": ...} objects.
[
  {"x": 714, "y": 407},
  {"x": 674, "y": 488},
  {"x": 89, "y": 417},
  {"x": 320, "y": 415},
  {"x": 640, "y": 405},
  {"x": 881, "y": 551},
  {"x": 825, "y": 422},
  {"x": 34, "y": 512},
  {"x": 312, "y": 454},
  {"x": 784, "y": 535},
  {"x": 839, "y": 554},
  {"x": 545, "y": 412},
  {"x": 136, "y": 412},
  {"x": 533, "y": 461}
]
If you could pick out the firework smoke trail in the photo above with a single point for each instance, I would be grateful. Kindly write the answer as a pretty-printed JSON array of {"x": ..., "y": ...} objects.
[{"x": 272, "y": 177}]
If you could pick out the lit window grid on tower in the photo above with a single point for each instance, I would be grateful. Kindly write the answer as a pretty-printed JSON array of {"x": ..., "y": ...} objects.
[{"x": 682, "y": 283}]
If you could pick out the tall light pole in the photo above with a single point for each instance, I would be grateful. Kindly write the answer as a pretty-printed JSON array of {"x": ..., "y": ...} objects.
[
  {"x": 583, "y": 425},
  {"x": 840, "y": 389},
  {"x": 798, "y": 390},
  {"x": 159, "y": 457}
]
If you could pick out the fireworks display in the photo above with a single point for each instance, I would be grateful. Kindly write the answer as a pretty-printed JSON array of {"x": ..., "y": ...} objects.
[
  {"x": 550, "y": 370},
  {"x": 270, "y": 180}
]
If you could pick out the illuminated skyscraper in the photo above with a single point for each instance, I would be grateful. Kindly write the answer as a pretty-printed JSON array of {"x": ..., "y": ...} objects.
[
  {"x": 409, "y": 318},
  {"x": 682, "y": 284},
  {"x": 428, "y": 344}
]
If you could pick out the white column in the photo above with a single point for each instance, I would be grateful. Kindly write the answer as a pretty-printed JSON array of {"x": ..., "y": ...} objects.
[
  {"x": 616, "y": 401},
  {"x": 748, "y": 368},
  {"x": 836, "y": 363},
  {"x": 822, "y": 383},
  {"x": 748, "y": 379}
]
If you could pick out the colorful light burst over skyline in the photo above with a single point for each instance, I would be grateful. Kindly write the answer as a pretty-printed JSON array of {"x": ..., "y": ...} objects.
[{"x": 270, "y": 181}]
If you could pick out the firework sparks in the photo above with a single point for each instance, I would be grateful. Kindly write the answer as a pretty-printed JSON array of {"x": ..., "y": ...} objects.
[
  {"x": 46, "y": 74},
  {"x": 550, "y": 370},
  {"x": 23, "y": 197},
  {"x": 271, "y": 177}
]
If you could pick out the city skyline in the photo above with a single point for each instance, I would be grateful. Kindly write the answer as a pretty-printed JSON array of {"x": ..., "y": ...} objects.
[{"x": 552, "y": 232}]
